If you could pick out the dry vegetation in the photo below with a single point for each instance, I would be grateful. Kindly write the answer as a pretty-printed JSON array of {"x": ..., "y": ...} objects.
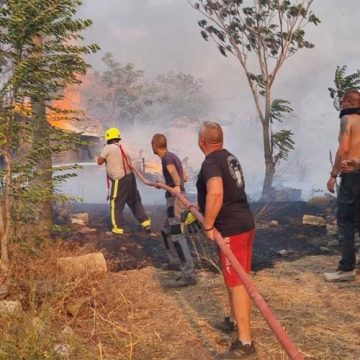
[{"x": 129, "y": 315}]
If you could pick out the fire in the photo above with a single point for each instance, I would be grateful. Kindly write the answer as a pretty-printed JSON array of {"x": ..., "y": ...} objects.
[
  {"x": 69, "y": 105},
  {"x": 69, "y": 114}
]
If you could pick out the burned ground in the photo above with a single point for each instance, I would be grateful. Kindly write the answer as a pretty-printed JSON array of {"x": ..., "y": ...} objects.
[
  {"x": 322, "y": 318},
  {"x": 136, "y": 250}
]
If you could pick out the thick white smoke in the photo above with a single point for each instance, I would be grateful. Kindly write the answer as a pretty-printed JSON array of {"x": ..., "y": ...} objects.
[{"x": 162, "y": 35}]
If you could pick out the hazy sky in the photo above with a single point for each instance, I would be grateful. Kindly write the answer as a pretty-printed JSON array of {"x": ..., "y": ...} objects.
[{"x": 163, "y": 35}]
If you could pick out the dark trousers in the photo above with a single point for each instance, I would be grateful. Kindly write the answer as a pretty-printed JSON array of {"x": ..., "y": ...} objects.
[
  {"x": 348, "y": 202},
  {"x": 176, "y": 245},
  {"x": 124, "y": 191}
]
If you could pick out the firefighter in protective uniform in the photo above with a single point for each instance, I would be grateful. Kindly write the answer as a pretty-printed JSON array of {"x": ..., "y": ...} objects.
[{"x": 123, "y": 183}]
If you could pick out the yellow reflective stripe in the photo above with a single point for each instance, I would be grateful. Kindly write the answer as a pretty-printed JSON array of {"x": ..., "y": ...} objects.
[
  {"x": 146, "y": 223},
  {"x": 116, "y": 186},
  {"x": 118, "y": 231}
]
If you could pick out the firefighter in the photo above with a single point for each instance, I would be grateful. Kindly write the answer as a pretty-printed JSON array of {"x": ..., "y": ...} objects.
[{"x": 123, "y": 183}]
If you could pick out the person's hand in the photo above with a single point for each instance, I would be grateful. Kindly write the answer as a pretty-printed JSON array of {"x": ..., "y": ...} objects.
[
  {"x": 349, "y": 165},
  {"x": 210, "y": 234},
  {"x": 209, "y": 231},
  {"x": 331, "y": 184},
  {"x": 176, "y": 189},
  {"x": 195, "y": 206}
]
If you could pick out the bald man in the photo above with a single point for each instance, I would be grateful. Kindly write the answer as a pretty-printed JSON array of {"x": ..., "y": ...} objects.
[
  {"x": 348, "y": 200},
  {"x": 222, "y": 200}
]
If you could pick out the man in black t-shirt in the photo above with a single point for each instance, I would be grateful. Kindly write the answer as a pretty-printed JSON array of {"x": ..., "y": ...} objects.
[
  {"x": 222, "y": 200},
  {"x": 175, "y": 242}
]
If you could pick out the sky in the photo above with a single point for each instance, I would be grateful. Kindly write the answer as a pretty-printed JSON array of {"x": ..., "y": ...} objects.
[{"x": 163, "y": 35}]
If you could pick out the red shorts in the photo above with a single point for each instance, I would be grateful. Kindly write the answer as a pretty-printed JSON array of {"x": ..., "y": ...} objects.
[{"x": 241, "y": 245}]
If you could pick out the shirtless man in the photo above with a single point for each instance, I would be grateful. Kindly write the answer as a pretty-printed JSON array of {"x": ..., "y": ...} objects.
[{"x": 348, "y": 200}]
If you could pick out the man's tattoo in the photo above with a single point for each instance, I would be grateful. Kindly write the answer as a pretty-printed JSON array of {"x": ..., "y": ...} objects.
[{"x": 343, "y": 126}]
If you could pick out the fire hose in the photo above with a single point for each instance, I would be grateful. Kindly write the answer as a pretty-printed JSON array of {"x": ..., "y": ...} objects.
[{"x": 274, "y": 324}]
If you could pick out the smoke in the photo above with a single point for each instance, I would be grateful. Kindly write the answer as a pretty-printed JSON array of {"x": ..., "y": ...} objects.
[
  {"x": 90, "y": 183},
  {"x": 162, "y": 35}
]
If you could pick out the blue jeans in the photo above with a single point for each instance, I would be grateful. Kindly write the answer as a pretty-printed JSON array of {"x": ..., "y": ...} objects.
[{"x": 348, "y": 202}]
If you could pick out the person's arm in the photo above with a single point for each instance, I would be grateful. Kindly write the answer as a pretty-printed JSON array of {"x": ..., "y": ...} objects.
[
  {"x": 101, "y": 159},
  {"x": 171, "y": 168},
  {"x": 186, "y": 176},
  {"x": 342, "y": 151},
  {"x": 214, "y": 201},
  {"x": 129, "y": 162},
  {"x": 336, "y": 167}
]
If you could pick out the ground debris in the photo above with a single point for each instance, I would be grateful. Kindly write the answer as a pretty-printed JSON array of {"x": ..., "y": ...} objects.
[
  {"x": 62, "y": 350},
  {"x": 324, "y": 201},
  {"x": 93, "y": 263},
  {"x": 283, "y": 252},
  {"x": 333, "y": 243},
  {"x": 4, "y": 292},
  {"x": 10, "y": 308},
  {"x": 74, "y": 308},
  {"x": 331, "y": 229},
  {"x": 313, "y": 220},
  {"x": 80, "y": 218}
]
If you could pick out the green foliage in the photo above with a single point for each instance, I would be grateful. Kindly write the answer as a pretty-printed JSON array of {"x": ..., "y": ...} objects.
[
  {"x": 41, "y": 53},
  {"x": 266, "y": 26},
  {"x": 343, "y": 82},
  {"x": 261, "y": 35},
  {"x": 282, "y": 141},
  {"x": 41, "y": 40},
  {"x": 279, "y": 108}
]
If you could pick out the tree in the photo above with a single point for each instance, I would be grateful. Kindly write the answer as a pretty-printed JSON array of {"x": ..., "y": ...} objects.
[
  {"x": 122, "y": 95},
  {"x": 181, "y": 94},
  {"x": 261, "y": 35},
  {"x": 39, "y": 58},
  {"x": 343, "y": 82},
  {"x": 119, "y": 94}
]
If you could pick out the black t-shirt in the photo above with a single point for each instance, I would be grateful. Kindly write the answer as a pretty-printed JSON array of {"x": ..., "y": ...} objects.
[
  {"x": 168, "y": 159},
  {"x": 235, "y": 216}
]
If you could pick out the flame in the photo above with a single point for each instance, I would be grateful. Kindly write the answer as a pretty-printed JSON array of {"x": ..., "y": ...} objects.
[
  {"x": 69, "y": 114},
  {"x": 68, "y": 105}
]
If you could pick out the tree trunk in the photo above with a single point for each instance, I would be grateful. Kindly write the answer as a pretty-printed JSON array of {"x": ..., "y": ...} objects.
[
  {"x": 43, "y": 180},
  {"x": 268, "y": 190},
  {"x": 5, "y": 215},
  {"x": 41, "y": 144}
]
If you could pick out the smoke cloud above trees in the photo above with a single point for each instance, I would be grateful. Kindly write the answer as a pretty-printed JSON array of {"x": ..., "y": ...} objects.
[{"x": 162, "y": 36}]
